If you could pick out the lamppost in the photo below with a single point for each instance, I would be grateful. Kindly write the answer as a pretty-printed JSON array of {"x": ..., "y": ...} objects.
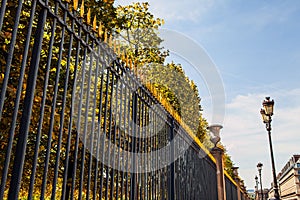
[
  {"x": 266, "y": 114},
  {"x": 259, "y": 167},
  {"x": 256, "y": 182},
  {"x": 218, "y": 154}
]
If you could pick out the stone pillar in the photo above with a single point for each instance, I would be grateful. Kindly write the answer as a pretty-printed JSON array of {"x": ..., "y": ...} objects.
[
  {"x": 218, "y": 154},
  {"x": 237, "y": 180}
]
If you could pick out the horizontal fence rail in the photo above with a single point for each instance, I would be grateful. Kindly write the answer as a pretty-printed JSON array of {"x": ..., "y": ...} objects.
[{"x": 77, "y": 123}]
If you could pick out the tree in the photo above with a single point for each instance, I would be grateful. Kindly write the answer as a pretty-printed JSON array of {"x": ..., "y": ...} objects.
[
  {"x": 228, "y": 164},
  {"x": 138, "y": 34}
]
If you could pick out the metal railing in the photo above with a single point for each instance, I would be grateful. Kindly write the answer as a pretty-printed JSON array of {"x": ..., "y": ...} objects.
[
  {"x": 231, "y": 189},
  {"x": 77, "y": 123}
]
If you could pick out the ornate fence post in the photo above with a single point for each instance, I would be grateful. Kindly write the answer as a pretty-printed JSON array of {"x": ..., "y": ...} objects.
[
  {"x": 237, "y": 180},
  {"x": 218, "y": 154}
]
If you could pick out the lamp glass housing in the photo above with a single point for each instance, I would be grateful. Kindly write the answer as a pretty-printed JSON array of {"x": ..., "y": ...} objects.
[
  {"x": 259, "y": 166},
  {"x": 265, "y": 117},
  {"x": 268, "y": 106}
]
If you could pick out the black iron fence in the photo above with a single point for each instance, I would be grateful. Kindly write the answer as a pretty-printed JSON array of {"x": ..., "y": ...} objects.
[
  {"x": 77, "y": 123},
  {"x": 231, "y": 189}
]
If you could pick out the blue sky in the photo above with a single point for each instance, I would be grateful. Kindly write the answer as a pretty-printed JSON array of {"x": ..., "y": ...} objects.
[{"x": 255, "y": 46}]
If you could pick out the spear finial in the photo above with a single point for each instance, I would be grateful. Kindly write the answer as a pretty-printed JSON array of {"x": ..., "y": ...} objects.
[
  {"x": 82, "y": 9},
  {"x": 75, "y": 4},
  {"x": 110, "y": 40},
  {"x": 130, "y": 63},
  {"x": 88, "y": 17},
  {"x": 126, "y": 60},
  {"x": 105, "y": 36},
  {"x": 100, "y": 30},
  {"x": 94, "y": 23},
  {"x": 115, "y": 46}
]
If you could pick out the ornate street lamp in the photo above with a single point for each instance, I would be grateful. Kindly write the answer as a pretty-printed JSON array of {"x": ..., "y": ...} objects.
[
  {"x": 256, "y": 182},
  {"x": 259, "y": 168},
  {"x": 266, "y": 114}
]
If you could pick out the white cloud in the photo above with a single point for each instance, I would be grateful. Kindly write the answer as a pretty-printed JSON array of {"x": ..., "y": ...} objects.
[{"x": 246, "y": 138}]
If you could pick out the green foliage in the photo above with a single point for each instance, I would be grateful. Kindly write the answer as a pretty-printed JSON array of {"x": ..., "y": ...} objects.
[
  {"x": 104, "y": 12},
  {"x": 182, "y": 94},
  {"x": 228, "y": 164},
  {"x": 139, "y": 33}
]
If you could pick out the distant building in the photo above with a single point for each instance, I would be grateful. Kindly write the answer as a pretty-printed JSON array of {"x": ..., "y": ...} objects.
[
  {"x": 289, "y": 180},
  {"x": 251, "y": 194},
  {"x": 261, "y": 195}
]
